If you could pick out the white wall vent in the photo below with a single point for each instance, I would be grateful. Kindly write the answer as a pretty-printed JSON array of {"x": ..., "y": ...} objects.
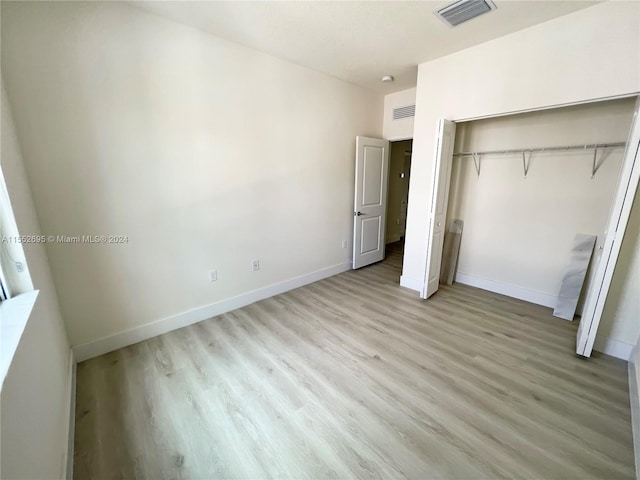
[
  {"x": 458, "y": 12},
  {"x": 404, "y": 112}
]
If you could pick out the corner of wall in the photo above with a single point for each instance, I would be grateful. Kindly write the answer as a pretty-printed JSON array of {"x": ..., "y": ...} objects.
[
  {"x": 634, "y": 397},
  {"x": 401, "y": 129},
  {"x": 36, "y": 394},
  {"x": 67, "y": 463}
]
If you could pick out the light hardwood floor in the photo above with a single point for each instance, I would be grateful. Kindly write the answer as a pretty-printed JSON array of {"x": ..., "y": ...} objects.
[{"x": 356, "y": 377}]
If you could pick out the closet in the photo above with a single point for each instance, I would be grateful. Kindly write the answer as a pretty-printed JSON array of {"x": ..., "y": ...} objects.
[{"x": 522, "y": 211}]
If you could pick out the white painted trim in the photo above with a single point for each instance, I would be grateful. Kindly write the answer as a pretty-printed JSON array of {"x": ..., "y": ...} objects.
[
  {"x": 401, "y": 139},
  {"x": 129, "y": 337},
  {"x": 549, "y": 107},
  {"x": 441, "y": 183},
  {"x": 620, "y": 213},
  {"x": 15, "y": 313},
  {"x": 612, "y": 347},
  {"x": 634, "y": 397},
  {"x": 68, "y": 474},
  {"x": 412, "y": 283},
  {"x": 532, "y": 296}
]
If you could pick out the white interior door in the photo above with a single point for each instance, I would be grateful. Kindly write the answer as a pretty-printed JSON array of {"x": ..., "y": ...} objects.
[
  {"x": 370, "y": 205},
  {"x": 620, "y": 211},
  {"x": 439, "y": 199}
]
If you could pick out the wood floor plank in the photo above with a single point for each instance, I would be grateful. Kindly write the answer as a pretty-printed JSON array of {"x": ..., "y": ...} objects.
[
  {"x": 356, "y": 377},
  {"x": 551, "y": 418}
]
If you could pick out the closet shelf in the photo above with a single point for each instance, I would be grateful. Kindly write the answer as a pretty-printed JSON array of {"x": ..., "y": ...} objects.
[{"x": 526, "y": 159}]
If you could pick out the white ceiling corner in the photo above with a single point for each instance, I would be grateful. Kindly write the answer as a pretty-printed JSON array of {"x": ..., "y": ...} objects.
[{"x": 356, "y": 41}]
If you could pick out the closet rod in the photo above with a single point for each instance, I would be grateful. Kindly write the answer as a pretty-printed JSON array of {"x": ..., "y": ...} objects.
[{"x": 542, "y": 149}]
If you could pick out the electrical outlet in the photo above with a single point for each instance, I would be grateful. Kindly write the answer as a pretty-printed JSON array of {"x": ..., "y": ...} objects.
[
  {"x": 19, "y": 267},
  {"x": 344, "y": 244},
  {"x": 397, "y": 221},
  {"x": 255, "y": 265},
  {"x": 213, "y": 275}
]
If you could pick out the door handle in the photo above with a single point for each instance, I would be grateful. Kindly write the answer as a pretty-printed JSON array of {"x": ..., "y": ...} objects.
[{"x": 359, "y": 213}]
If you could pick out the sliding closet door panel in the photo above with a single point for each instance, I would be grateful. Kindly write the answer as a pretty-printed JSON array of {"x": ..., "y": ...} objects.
[
  {"x": 621, "y": 209},
  {"x": 440, "y": 198}
]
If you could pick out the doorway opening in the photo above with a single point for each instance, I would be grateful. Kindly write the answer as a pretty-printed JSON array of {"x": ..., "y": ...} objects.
[{"x": 398, "y": 196}]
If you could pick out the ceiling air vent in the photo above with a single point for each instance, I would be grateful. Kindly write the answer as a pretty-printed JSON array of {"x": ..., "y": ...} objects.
[
  {"x": 463, "y": 10},
  {"x": 404, "y": 112}
]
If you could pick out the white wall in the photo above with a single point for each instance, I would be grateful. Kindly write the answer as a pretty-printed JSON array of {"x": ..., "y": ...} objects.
[
  {"x": 518, "y": 232},
  {"x": 36, "y": 394},
  {"x": 571, "y": 59},
  {"x": 204, "y": 153},
  {"x": 401, "y": 129}
]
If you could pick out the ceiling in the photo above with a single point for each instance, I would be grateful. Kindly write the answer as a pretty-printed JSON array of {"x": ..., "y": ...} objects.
[{"x": 356, "y": 41}]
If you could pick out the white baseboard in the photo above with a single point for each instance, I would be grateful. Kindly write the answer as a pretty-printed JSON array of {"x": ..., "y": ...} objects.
[
  {"x": 72, "y": 419},
  {"x": 531, "y": 296},
  {"x": 634, "y": 397},
  {"x": 129, "y": 337},
  {"x": 612, "y": 347},
  {"x": 411, "y": 283}
]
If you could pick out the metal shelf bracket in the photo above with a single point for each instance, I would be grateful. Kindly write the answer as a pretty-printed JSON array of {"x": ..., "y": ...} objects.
[
  {"x": 525, "y": 162},
  {"x": 476, "y": 161}
]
